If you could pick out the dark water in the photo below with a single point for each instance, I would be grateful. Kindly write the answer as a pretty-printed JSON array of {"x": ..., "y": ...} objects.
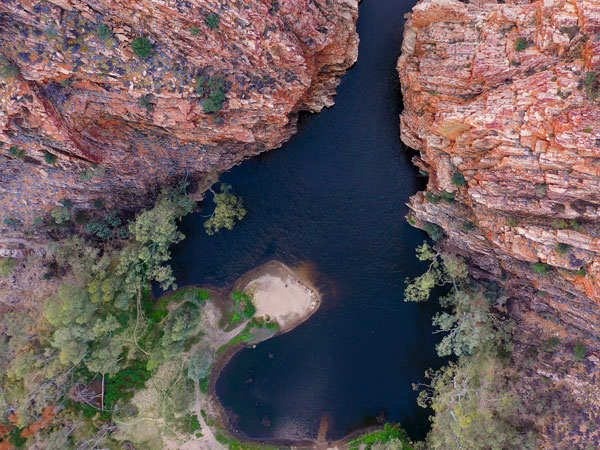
[{"x": 333, "y": 197}]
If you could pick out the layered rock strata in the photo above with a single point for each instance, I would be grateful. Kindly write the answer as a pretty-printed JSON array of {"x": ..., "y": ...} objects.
[
  {"x": 83, "y": 117},
  {"x": 501, "y": 102}
]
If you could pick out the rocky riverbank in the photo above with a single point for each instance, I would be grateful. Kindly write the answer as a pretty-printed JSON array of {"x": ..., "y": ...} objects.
[{"x": 501, "y": 101}]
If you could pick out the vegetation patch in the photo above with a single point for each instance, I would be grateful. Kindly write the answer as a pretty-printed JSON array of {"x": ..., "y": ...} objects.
[
  {"x": 392, "y": 435},
  {"x": 142, "y": 47}
]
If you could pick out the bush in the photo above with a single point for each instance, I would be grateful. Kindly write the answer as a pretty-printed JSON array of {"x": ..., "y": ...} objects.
[
  {"x": 61, "y": 214},
  {"x": 458, "y": 179},
  {"x": 541, "y": 190},
  {"x": 7, "y": 266},
  {"x": 214, "y": 103},
  {"x": 142, "y": 47},
  {"x": 7, "y": 69},
  {"x": 521, "y": 44},
  {"x": 540, "y": 268},
  {"x": 104, "y": 32},
  {"x": 145, "y": 102},
  {"x": 434, "y": 231},
  {"x": 213, "y": 20},
  {"x": 17, "y": 152},
  {"x": 560, "y": 224},
  {"x": 50, "y": 158},
  {"x": 194, "y": 31},
  {"x": 200, "y": 363},
  {"x": 512, "y": 222},
  {"x": 579, "y": 351},
  {"x": 562, "y": 248}
]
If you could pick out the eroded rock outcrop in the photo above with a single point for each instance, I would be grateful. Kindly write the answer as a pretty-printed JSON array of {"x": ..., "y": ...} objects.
[
  {"x": 501, "y": 101},
  {"x": 82, "y": 117}
]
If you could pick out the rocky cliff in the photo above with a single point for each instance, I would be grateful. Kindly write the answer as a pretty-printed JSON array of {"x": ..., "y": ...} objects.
[
  {"x": 501, "y": 102},
  {"x": 83, "y": 117}
]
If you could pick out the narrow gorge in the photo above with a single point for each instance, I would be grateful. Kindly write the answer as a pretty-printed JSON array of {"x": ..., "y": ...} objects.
[{"x": 136, "y": 312}]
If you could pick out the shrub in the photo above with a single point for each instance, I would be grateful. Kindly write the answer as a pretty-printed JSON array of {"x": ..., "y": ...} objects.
[
  {"x": 541, "y": 190},
  {"x": 214, "y": 102},
  {"x": 99, "y": 203},
  {"x": 560, "y": 224},
  {"x": 540, "y": 268},
  {"x": 13, "y": 223},
  {"x": 458, "y": 179},
  {"x": 61, "y": 214},
  {"x": 432, "y": 198},
  {"x": 575, "y": 225},
  {"x": 7, "y": 69},
  {"x": 550, "y": 344},
  {"x": 104, "y": 32},
  {"x": 194, "y": 31},
  {"x": 213, "y": 20},
  {"x": 145, "y": 102},
  {"x": 521, "y": 44},
  {"x": 582, "y": 272},
  {"x": 50, "y": 158},
  {"x": 200, "y": 363},
  {"x": 142, "y": 47},
  {"x": 7, "y": 266},
  {"x": 579, "y": 351},
  {"x": 562, "y": 248},
  {"x": 512, "y": 221},
  {"x": 434, "y": 231},
  {"x": 17, "y": 152}
]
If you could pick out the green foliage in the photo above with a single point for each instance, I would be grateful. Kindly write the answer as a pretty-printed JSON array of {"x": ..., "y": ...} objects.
[
  {"x": 541, "y": 268},
  {"x": 50, "y": 158},
  {"x": 194, "y": 31},
  {"x": 104, "y": 31},
  {"x": 146, "y": 102},
  {"x": 60, "y": 214},
  {"x": 458, "y": 179},
  {"x": 7, "y": 69},
  {"x": 550, "y": 344},
  {"x": 512, "y": 222},
  {"x": 123, "y": 384},
  {"x": 92, "y": 172},
  {"x": 13, "y": 223},
  {"x": 142, "y": 47},
  {"x": 229, "y": 209},
  {"x": 213, "y": 20},
  {"x": 434, "y": 231},
  {"x": 522, "y": 43},
  {"x": 560, "y": 224},
  {"x": 7, "y": 266},
  {"x": 562, "y": 248},
  {"x": 541, "y": 190},
  {"x": 591, "y": 85},
  {"x": 474, "y": 406},
  {"x": 17, "y": 152},
  {"x": 579, "y": 351},
  {"x": 391, "y": 433},
  {"x": 200, "y": 363}
]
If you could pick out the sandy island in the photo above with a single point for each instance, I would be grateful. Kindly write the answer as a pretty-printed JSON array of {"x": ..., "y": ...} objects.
[{"x": 279, "y": 294}]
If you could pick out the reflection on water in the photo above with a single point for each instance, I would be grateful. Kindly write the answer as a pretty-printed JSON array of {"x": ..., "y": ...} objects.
[{"x": 331, "y": 202}]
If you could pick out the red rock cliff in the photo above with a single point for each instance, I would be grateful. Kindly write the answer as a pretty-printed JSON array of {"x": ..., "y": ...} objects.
[
  {"x": 83, "y": 117},
  {"x": 501, "y": 102}
]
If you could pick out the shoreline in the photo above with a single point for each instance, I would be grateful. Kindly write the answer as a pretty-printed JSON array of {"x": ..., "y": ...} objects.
[
  {"x": 274, "y": 268},
  {"x": 271, "y": 268}
]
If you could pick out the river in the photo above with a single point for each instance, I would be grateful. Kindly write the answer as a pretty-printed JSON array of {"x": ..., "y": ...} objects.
[{"x": 331, "y": 200}]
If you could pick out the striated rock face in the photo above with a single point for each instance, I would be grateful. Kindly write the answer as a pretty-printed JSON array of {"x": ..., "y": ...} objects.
[
  {"x": 86, "y": 118},
  {"x": 501, "y": 101}
]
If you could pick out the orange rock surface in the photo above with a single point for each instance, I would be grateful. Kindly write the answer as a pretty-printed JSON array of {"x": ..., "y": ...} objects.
[
  {"x": 502, "y": 104},
  {"x": 119, "y": 125}
]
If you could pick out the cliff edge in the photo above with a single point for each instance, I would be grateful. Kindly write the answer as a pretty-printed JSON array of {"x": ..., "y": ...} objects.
[
  {"x": 501, "y": 102},
  {"x": 85, "y": 116}
]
